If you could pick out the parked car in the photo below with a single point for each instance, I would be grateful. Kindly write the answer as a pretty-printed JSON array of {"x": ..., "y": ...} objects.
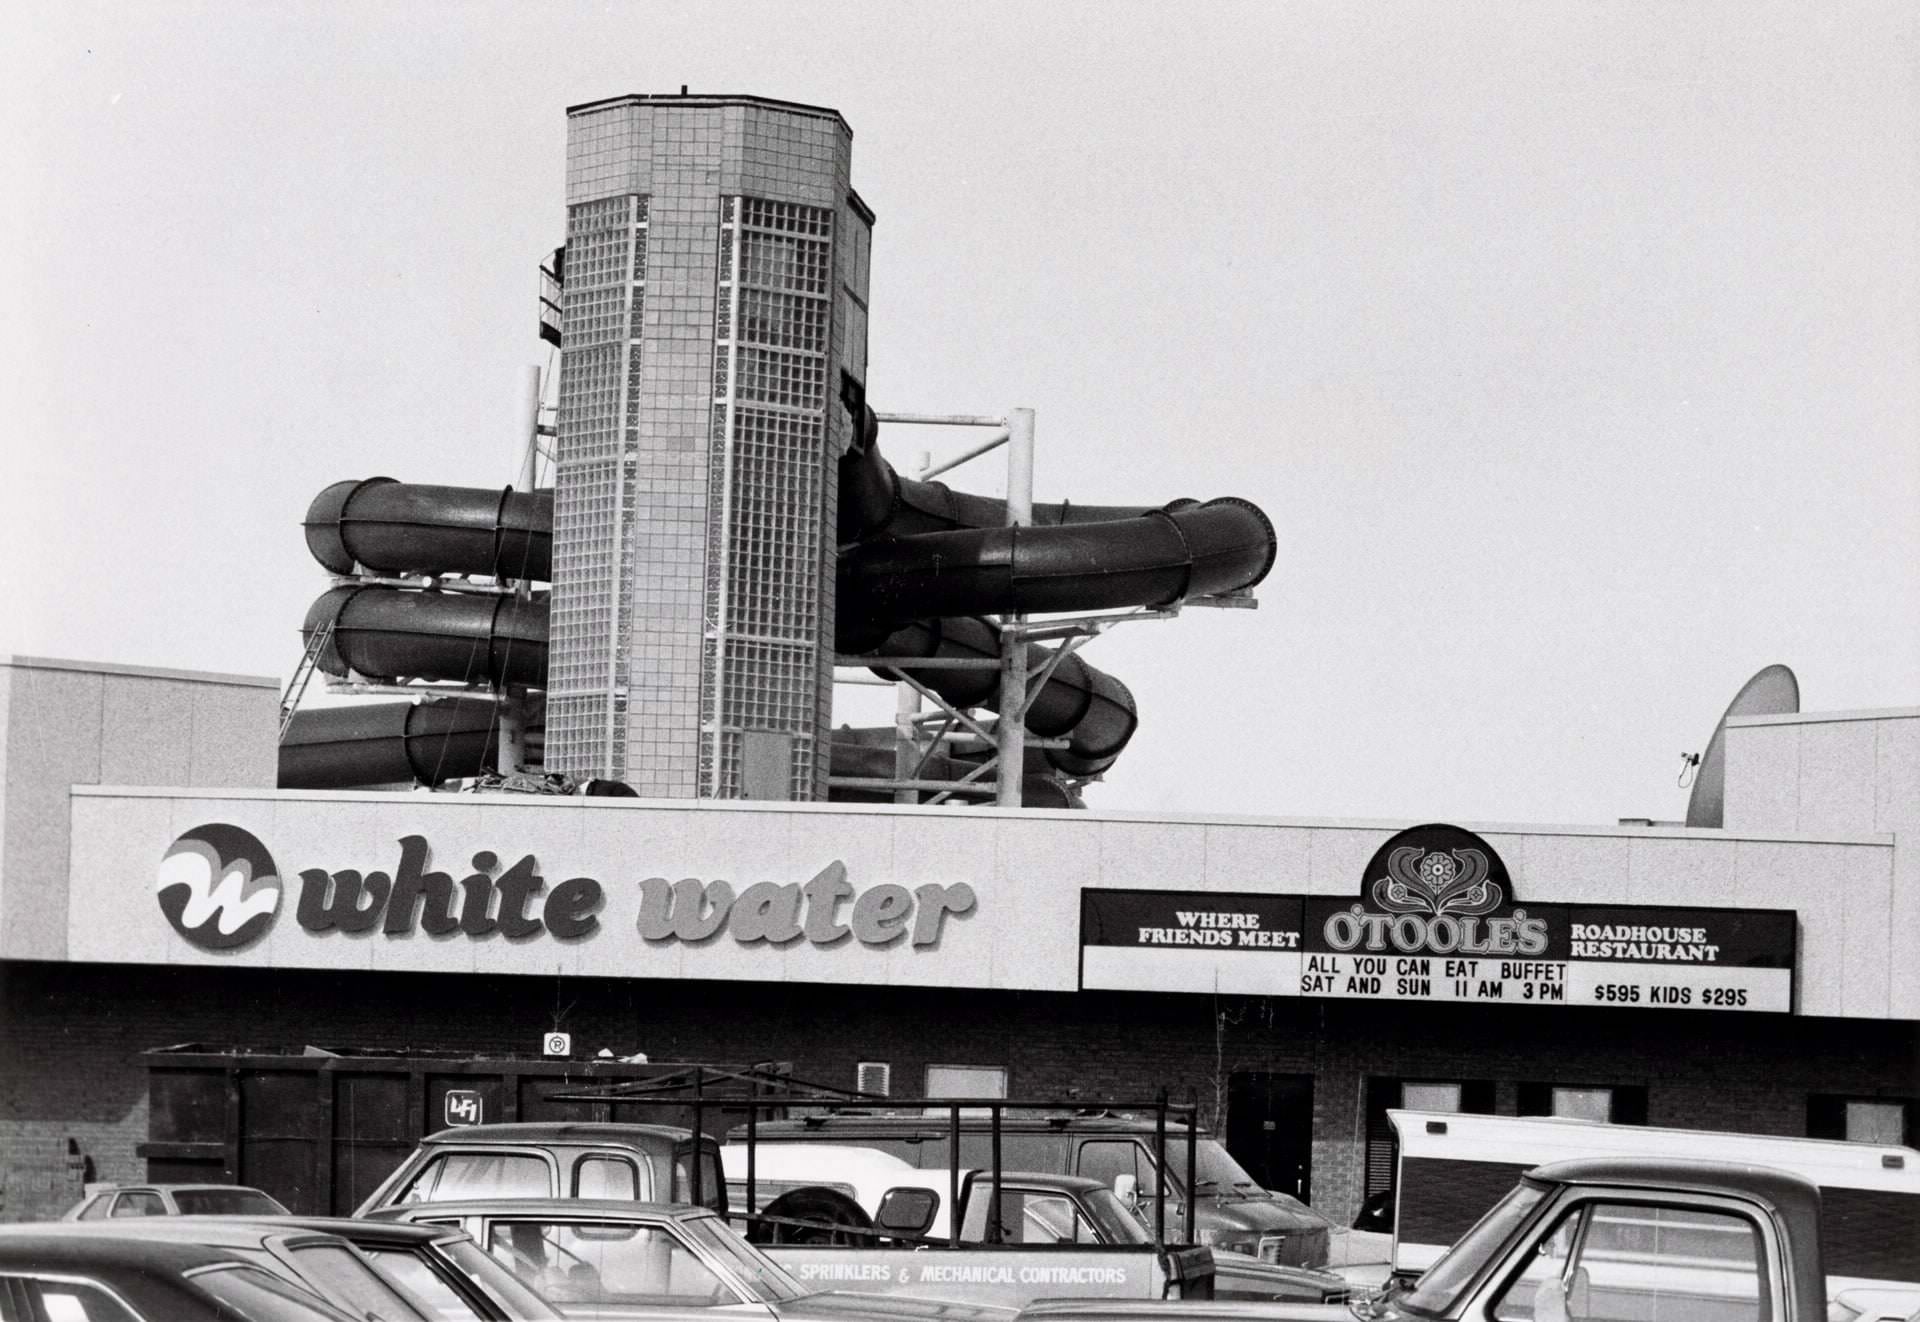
[
  {"x": 1231, "y": 1212},
  {"x": 599, "y": 1258},
  {"x": 324, "y": 1264},
  {"x": 555, "y": 1159},
  {"x": 52, "y": 1275},
  {"x": 1174, "y": 1310},
  {"x": 104, "y": 1202}
]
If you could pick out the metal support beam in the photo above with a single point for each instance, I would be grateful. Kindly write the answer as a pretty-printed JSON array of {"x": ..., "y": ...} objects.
[
  {"x": 943, "y": 419},
  {"x": 1011, "y": 731},
  {"x": 988, "y": 446}
]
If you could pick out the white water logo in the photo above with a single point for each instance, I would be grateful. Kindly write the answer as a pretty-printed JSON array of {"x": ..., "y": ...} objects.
[{"x": 218, "y": 886}]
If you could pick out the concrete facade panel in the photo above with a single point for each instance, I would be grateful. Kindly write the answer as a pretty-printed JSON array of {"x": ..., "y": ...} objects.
[
  {"x": 53, "y": 741},
  {"x": 1762, "y": 778},
  {"x": 1249, "y": 858},
  {"x": 143, "y": 740},
  {"x": 1336, "y": 857},
  {"x": 1896, "y": 800},
  {"x": 1837, "y": 777},
  {"x": 1903, "y": 974},
  {"x": 1599, "y": 869},
  {"x": 1153, "y": 855},
  {"x": 235, "y": 738},
  {"x": 1664, "y": 870}
]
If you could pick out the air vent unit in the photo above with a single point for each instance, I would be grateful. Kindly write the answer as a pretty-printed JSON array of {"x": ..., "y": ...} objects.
[{"x": 874, "y": 1077}]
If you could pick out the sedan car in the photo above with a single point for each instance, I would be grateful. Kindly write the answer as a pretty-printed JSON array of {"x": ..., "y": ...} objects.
[
  {"x": 47, "y": 1274},
  {"x": 107, "y": 1201},
  {"x": 671, "y": 1262},
  {"x": 323, "y": 1264}
]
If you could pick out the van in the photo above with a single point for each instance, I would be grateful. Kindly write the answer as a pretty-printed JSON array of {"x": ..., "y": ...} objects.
[{"x": 1231, "y": 1213}]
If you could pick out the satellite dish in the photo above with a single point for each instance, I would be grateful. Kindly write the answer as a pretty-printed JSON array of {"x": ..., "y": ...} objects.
[{"x": 1772, "y": 692}]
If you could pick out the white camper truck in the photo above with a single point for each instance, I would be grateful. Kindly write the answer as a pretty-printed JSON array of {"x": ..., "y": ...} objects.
[{"x": 1453, "y": 1167}]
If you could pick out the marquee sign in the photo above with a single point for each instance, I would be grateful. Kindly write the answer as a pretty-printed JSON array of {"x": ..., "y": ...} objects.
[{"x": 1437, "y": 919}]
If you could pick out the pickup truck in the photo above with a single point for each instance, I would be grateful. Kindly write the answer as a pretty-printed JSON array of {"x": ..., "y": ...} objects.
[
  {"x": 885, "y": 1204},
  {"x": 1230, "y": 1211},
  {"x": 1619, "y": 1239},
  {"x": 592, "y": 1163},
  {"x": 1453, "y": 1166}
]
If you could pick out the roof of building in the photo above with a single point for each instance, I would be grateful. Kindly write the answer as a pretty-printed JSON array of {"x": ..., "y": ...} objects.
[{"x": 698, "y": 100}]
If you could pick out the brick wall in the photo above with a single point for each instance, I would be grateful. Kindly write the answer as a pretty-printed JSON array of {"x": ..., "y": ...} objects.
[{"x": 71, "y": 1075}]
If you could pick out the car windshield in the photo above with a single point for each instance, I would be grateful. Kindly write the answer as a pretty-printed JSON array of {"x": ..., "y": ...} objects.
[
  {"x": 767, "y": 1279},
  {"x": 1213, "y": 1167},
  {"x": 226, "y": 1202},
  {"x": 1442, "y": 1284}
]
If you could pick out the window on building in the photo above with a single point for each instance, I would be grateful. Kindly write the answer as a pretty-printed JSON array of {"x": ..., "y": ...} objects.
[
  {"x": 966, "y": 1081},
  {"x": 1473, "y": 1096},
  {"x": 1619, "y": 1104},
  {"x": 1858, "y": 1119}
]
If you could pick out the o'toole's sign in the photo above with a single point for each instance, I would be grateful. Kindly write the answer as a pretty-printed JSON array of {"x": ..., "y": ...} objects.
[
  {"x": 1436, "y": 919},
  {"x": 221, "y": 890}
]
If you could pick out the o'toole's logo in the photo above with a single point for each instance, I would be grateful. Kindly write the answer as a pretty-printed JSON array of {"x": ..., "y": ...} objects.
[
  {"x": 1436, "y": 890},
  {"x": 219, "y": 887}
]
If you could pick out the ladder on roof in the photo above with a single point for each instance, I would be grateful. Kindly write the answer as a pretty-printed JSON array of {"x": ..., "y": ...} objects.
[{"x": 302, "y": 676}]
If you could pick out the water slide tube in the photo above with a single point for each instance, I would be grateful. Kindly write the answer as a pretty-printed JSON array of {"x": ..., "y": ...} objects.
[
  {"x": 912, "y": 585},
  {"x": 387, "y": 743},
  {"x": 394, "y": 527}
]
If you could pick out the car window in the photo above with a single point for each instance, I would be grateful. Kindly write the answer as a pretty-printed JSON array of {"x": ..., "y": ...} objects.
[
  {"x": 480, "y": 1175},
  {"x": 606, "y": 1263},
  {"x": 226, "y": 1202},
  {"x": 71, "y": 1301},
  {"x": 1029, "y": 1216},
  {"x": 420, "y": 1280},
  {"x": 765, "y": 1277},
  {"x": 344, "y": 1277},
  {"x": 1623, "y": 1260},
  {"x": 501, "y": 1285},
  {"x": 1103, "y": 1159},
  {"x": 139, "y": 1204},
  {"x": 713, "y": 1183},
  {"x": 96, "y": 1208},
  {"x": 255, "y": 1296},
  {"x": 606, "y": 1177}
]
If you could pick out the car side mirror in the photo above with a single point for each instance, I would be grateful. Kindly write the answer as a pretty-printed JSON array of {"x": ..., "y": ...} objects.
[
  {"x": 1127, "y": 1189},
  {"x": 906, "y": 1211}
]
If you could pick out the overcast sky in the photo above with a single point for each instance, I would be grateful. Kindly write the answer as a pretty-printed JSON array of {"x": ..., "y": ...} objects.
[{"x": 1574, "y": 349}]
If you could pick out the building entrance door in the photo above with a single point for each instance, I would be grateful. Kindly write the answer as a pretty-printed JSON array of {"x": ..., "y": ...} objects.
[{"x": 1270, "y": 1129}]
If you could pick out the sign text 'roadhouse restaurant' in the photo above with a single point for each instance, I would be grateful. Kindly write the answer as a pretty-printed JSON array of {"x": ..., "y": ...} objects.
[{"x": 1437, "y": 920}]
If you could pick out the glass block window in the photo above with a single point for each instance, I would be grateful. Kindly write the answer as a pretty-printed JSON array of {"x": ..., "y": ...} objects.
[
  {"x": 766, "y": 484},
  {"x": 603, "y": 301}
]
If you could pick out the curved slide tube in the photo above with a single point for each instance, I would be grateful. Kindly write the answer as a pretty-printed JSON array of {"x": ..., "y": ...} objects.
[
  {"x": 921, "y": 563},
  {"x": 398, "y": 528},
  {"x": 1088, "y": 706},
  {"x": 386, "y": 632},
  {"x": 387, "y": 743},
  {"x": 1156, "y": 559}
]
